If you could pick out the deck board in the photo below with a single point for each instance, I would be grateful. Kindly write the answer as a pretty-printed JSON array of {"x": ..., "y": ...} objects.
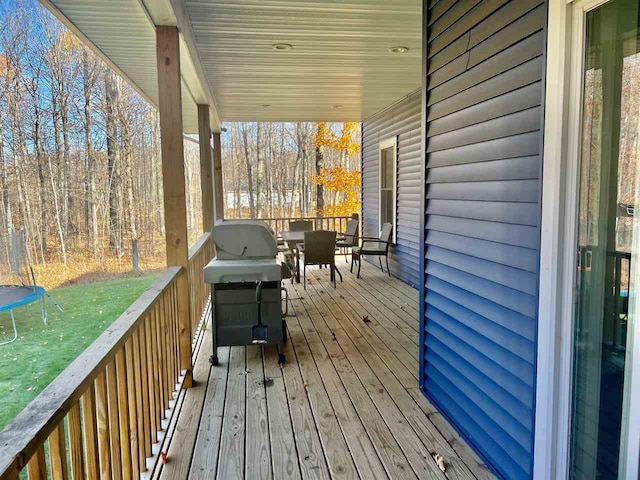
[
  {"x": 346, "y": 405},
  {"x": 258, "y": 463}
]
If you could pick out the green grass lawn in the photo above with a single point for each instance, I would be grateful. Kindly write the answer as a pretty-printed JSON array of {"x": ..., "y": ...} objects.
[{"x": 41, "y": 352}]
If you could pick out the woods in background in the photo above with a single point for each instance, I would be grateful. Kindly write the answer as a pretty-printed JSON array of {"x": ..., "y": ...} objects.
[
  {"x": 80, "y": 167},
  {"x": 80, "y": 171},
  {"x": 274, "y": 170}
]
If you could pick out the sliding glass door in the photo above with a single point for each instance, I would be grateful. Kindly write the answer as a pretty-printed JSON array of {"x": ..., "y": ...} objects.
[{"x": 609, "y": 180}]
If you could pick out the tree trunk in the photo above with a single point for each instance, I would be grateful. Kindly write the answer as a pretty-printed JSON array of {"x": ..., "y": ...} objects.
[
  {"x": 111, "y": 97},
  {"x": 319, "y": 188},
  {"x": 247, "y": 160},
  {"x": 90, "y": 206},
  {"x": 128, "y": 176},
  {"x": 259, "y": 170},
  {"x": 41, "y": 180}
]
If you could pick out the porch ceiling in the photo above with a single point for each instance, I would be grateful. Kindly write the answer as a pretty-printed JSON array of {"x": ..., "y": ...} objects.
[{"x": 340, "y": 55}]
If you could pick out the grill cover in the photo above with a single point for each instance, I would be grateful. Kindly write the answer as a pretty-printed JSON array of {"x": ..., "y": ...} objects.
[{"x": 245, "y": 252}]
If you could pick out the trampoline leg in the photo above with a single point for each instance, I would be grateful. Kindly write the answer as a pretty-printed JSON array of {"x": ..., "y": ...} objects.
[
  {"x": 15, "y": 330},
  {"x": 54, "y": 302},
  {"x": 43, "y": 311}
]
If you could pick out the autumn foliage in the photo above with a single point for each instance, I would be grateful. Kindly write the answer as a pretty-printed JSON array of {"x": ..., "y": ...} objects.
[
  {"x": 343, "y": 185},
  {"x": 348, "y": 184},
  {"x": 344, "y": 142}
]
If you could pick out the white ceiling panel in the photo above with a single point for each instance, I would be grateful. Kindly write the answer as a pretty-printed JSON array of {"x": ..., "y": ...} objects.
[
  {"x": 122, "y": 33},
  {"x": 340, "y": 56}
]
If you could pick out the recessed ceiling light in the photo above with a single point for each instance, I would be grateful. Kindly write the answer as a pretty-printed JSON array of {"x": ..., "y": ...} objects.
[
  {"x": 336, "y": 106},
  {"x": 282, "y": 47},
  {"x": 399, "y": 49}
]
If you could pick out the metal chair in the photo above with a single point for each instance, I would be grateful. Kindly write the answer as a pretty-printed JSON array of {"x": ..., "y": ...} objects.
[
  {"x": 320, "y": 249},
  {"x": 375, "y": 247},
  {"x": 350, "y": 238},
  {"x": 301, "y": 226}
]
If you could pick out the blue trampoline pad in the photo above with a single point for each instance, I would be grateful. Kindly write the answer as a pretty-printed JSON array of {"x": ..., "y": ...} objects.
[{"x": 14, "y": 296}]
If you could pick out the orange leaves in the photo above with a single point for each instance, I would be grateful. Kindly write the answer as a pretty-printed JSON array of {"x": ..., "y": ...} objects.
[
  {"x": 3, "y": 65},
  {"x": 345, "y": 142},
  {"x": 345, "y": 182},
  {"x": 338, "y": 178}
]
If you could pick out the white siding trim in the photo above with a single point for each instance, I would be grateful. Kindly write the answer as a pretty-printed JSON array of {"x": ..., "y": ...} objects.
[{"x": 384, "y": 144}]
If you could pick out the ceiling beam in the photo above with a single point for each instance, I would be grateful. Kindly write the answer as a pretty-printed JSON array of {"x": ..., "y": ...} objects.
[{"x": 173, "y": 13}]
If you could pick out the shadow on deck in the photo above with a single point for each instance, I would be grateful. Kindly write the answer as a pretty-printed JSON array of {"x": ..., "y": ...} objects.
[{"x": 345, "y": 405}]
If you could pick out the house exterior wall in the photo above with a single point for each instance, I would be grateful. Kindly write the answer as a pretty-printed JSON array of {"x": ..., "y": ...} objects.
[
  {"x": 484, "y": 93},
  {"x": 401, "y": 120}
]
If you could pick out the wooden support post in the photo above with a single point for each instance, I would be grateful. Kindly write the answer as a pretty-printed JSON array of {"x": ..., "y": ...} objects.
[
  {"x": 217, "y": 172},
  {"x": 206, "y": 168},
  {"x": 175, "y": 205}
]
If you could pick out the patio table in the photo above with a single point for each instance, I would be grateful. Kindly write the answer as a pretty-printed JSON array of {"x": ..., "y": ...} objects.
[{"x": 293, "y": 239}]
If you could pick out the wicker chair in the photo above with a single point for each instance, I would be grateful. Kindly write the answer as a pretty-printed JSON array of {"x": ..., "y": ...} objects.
[
  {"x": 301, "y": 226},
  {"x": 350, "y": 238},
  {"x": 375, "y": 247},
  {"x": 320, "y": 249}
]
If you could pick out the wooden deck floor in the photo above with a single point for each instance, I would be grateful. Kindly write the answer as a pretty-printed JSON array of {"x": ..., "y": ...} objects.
[{"x": 345, "y": 405}]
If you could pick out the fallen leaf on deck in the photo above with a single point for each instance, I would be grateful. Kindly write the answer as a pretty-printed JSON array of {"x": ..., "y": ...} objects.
[
  {"x": 365, "y": 319},
  {"x": 442, "y": 465}
]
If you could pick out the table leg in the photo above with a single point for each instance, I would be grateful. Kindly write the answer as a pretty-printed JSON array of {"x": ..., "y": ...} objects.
[{"x": 297, "y": 265}]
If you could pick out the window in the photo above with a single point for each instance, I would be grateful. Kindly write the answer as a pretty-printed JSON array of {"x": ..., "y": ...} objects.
[{"x": 388, "y": 183}]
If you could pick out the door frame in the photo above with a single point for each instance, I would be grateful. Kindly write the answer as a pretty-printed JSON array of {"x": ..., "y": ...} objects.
[{"x": 563, "y": 111}]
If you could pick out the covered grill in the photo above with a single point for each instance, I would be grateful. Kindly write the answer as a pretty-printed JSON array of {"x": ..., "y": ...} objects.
[{"x": 246, "y": 291}]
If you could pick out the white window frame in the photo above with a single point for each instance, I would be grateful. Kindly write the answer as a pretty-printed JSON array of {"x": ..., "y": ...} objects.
[
  {"x": 383, "y": 145},
  {"x": 562, "y": 133}
]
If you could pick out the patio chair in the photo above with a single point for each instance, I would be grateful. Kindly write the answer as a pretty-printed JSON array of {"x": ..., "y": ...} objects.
[
  {"x": 301, "y": 226},
  {"x": 374, "y": 247},
  {"x": 320, "y": 249},
  {"x": 350, "y": 238}
]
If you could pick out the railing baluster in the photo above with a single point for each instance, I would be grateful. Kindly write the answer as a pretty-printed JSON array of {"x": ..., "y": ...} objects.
[
  {"x": 173, "y": 320},
  {"x": 166, "y": 365},
  {"x": 58, "y": 453},
  {"x": 114, "y": 424},
  {"x": 171, "y": 345},
  {"x": 147, "y": 398},
  {"x": 75, "y": 442},
  {"x": 102, "y": 415},
  {"x": 132, "y": 408},
  {"x": 139, "y": 419},
  {"x": 168, "y": 346},
  {"x": 90, "y": 433},
  {"x": 37, "y": 466},
  {"x": 158, "y": 364},
  {"x": 123, "y": 410},
  {"x": 152, "y": 342}
]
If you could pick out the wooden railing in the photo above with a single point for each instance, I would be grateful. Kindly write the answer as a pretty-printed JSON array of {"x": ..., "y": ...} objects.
[
  {"x": 199, "y": 255},
  {"x": 278, "y": 225},
  {"x": 104, "y": 413}
]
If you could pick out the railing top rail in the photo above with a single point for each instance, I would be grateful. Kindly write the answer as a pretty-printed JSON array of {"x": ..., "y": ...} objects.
[
  {"x": 305, "y": 218},
  {"x": 24, "y": 435},
  {"x": 196, "y": 247}
]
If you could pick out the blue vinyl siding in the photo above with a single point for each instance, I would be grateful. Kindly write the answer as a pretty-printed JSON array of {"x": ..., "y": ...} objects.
[
  {"x": 401, "y": 120},
  {"x": 483, "y": 119}
]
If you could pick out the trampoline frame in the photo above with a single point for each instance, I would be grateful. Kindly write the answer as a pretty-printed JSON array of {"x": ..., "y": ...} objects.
[{"x": 38, "y": 295}]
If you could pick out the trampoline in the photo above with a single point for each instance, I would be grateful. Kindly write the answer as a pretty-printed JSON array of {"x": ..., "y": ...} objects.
[{"x": 20, "y": 295}]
